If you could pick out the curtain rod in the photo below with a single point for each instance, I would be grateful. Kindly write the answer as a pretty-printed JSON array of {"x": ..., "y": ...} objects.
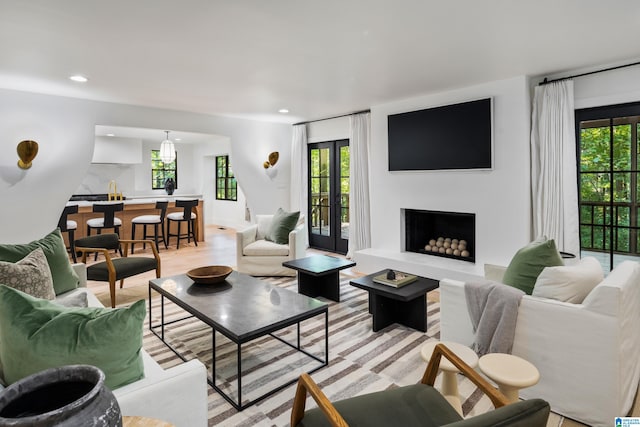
[
  {"x": 545, "y": 81},
  {"x": 334, "y": 117}
]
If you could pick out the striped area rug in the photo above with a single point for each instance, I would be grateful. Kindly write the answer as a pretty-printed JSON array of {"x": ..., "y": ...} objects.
[{"x": 360, "y": 360}]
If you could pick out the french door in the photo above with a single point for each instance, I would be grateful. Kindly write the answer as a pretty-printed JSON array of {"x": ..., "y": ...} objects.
[
  {"x": 609, "y": 171},
  {"x": 329, "y": 195}
]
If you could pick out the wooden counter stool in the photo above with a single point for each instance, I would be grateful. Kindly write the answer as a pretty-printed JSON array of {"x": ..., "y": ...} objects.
[
  {"x": 449, "y": 371},
  {"x": 155, "y": 220},
  {"x": 69, "y": 226},
  {"x": 188, "y": 216},
  {"x": 108, "y": 220},
  {"x": 510, "y": 372}
]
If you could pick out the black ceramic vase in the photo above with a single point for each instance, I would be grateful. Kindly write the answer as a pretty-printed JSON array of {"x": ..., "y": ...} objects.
[
  {"x": 169, "y": 185},
  {"x": 73, "y": 395}
]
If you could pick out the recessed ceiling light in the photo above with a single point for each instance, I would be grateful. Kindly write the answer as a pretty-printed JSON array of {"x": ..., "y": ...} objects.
[
  {"x": 111, "y": 134},
  {"x": 283, "y": 111},
  {"x": 79, "y": 78},
  {"x": 178, "y": 139}
]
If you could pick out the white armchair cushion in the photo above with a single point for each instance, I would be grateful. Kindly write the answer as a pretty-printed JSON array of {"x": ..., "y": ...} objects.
[
  {"x": 265, "y": 248},
  {"x": 569, "y": 283}
]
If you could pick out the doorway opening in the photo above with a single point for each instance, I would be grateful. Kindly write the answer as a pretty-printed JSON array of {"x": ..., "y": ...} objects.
[{"x": 329, "y": 187}]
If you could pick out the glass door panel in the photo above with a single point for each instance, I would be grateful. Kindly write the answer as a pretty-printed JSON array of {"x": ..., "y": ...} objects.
[{"x": 329, "y": 195}]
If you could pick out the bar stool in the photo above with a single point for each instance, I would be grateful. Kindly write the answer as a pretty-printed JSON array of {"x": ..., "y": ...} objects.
[
  {"x": 188, "y": 216},
  {"x": 146, "y": 220},
  {"x": 108, "y": 220},
  {"x": 69, "y": 226}
]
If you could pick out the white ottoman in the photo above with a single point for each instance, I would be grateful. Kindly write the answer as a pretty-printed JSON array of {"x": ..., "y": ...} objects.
[
  {"x": 449, "y": 371},
  {"x": 510, "y": 372}
]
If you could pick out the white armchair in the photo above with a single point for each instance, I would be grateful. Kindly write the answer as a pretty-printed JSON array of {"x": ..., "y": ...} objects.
[
  {"x": 260, "y": 257},
  {"x": 586, "y": 353}
]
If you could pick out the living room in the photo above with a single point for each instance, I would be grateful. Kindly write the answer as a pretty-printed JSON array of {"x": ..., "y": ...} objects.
[{"x": 64, "y": 126}]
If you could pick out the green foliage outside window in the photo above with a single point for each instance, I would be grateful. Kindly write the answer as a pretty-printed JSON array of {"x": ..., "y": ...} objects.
[
  {"x": 226, "y": 185},
  {"x": 160, "y": 171},
  {"x": 603, "y": 176}
]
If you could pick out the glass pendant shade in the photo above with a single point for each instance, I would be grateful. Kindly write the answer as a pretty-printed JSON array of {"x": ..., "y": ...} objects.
[{"x": 167, "y": 150}]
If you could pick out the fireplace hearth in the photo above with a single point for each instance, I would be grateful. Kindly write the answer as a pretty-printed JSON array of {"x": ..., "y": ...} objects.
[{"x": 443, "y": 234}]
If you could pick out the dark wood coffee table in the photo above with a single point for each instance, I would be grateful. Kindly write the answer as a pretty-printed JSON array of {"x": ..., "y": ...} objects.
[
  {"x": 406, "y": 305},
  {"x": 242, "y": 309},
  {"x": 319, "y": 275}
]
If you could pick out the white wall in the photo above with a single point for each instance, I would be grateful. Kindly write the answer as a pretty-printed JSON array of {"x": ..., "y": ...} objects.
[
  {"x": 500, "y": 198},
  {"x": 328, "y": 130},
  {"x": 65, "y": 130},
  {"x": 607, "y": 88}
]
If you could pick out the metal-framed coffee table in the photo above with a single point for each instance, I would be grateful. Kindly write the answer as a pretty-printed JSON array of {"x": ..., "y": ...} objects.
[
  {"x": 319, "y": 275},
  {"x": 242, "y": 309},
  {"x": 406, "y": 305}
]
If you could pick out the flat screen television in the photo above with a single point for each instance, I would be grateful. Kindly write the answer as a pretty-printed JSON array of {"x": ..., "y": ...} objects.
[{"x": 456, "y": 136}]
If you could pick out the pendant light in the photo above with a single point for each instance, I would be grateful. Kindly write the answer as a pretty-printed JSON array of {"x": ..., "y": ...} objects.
[{"x": 167, "y": 150}]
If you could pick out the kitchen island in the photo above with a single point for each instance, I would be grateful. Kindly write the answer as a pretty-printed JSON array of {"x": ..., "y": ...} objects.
[{"x": 134, "y": 207}]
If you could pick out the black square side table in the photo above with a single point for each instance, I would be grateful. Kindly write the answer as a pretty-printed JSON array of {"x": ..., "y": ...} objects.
[{"x": 319, "y": 275}]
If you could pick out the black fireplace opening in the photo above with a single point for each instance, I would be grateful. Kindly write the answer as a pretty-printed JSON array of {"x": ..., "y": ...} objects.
[{"x": 444, "y": 234}]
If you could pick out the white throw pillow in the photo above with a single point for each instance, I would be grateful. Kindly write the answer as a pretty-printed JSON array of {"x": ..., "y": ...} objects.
[{"x": 569, "y": 283}]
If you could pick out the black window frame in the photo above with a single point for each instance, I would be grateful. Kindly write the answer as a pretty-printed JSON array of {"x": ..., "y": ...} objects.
[
  {"x": 167, "y": 172},
  {"x": 226, "y": 186},
  {"x": 613, "y": 115}
]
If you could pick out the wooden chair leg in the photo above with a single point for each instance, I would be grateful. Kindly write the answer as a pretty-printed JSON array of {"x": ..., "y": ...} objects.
[
  {"x": 72, "y": 245},
  {"x": 193, "y": 232},
  {"x": 121, "y": 283},
  {"x": 144, "y": 236},
  {"x": 164, "y": 237},
  {"x": 133, "y": 236},
  {"x": 112, "y": 291},
  {"x": 178, "y": 244}
]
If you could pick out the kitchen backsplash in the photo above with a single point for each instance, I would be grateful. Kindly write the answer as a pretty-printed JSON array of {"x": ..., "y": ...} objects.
[{"x": 99, "y": 175}]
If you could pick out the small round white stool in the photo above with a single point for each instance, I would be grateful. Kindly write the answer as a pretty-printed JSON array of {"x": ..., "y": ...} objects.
[
  {"x": 510, "y": 372},
  {"x": 449, "y": 371}
]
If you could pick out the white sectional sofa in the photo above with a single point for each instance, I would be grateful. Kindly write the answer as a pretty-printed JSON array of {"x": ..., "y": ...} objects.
[
  {"x": 587, "y": 353},
  {"x": 177, "y": 395}
]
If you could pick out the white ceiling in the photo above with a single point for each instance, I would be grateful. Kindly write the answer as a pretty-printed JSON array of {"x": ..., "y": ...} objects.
[
  {"x": 144, "y": 134},
  {"x": 249, "y": 58}
]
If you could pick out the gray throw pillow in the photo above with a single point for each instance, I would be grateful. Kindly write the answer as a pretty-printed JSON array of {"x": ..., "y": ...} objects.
[
  {"x": 282, "y": 224},
  {"x": 74, "y": 299},
  {"x": 30, "y": 275}
]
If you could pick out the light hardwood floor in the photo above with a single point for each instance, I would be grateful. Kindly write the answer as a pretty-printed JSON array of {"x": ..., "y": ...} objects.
[{"x": 219, "y": 248}]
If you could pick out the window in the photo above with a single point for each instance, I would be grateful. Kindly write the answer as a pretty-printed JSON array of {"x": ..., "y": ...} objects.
[
  {"x": 226, "y": 185},
  {"x": 160, "y": 171},
  {"x": 608, "y": 144}
]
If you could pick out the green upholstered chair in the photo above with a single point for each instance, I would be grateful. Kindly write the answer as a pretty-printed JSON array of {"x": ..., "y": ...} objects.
[
  {"x": 116, "y": 268},
  {"x": 415, "y": 405}
]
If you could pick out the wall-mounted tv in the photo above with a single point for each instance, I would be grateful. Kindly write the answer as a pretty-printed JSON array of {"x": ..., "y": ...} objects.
[{"x": 456, "y": 136}]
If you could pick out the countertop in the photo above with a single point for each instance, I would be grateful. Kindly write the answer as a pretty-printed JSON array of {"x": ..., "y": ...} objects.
[{"x": 140, "y": 200}]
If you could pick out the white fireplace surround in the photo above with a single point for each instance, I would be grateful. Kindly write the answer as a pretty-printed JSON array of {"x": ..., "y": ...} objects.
[{"x": 500, "y": 198}]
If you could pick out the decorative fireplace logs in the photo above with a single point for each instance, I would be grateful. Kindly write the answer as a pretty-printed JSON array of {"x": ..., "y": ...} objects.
[{"x": 448, "y": 246}]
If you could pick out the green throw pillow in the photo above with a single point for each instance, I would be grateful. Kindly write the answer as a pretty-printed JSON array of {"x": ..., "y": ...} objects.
[
  {"x": 64, "y": 278},
  {"x": 282, "y": 224},
  {"x": 37, "y": 334},
  {"x": 528, "y": 263}
]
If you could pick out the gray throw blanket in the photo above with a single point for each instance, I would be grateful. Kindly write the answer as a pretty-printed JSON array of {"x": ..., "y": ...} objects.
[{"x": 493, "y": 308}]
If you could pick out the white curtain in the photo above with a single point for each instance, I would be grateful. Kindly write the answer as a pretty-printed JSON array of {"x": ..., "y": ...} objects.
[
  {"x": 359, "y": 218},
  {"x": 553, "y": 166},
  {"x": 299, "y": 181}
]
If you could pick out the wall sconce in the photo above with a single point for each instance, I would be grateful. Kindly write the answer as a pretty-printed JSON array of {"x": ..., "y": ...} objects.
[
  {"x": 270, "y": 163},
  {"x": 273, "y": 159},
  {"x": 27, "y": 151}
]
